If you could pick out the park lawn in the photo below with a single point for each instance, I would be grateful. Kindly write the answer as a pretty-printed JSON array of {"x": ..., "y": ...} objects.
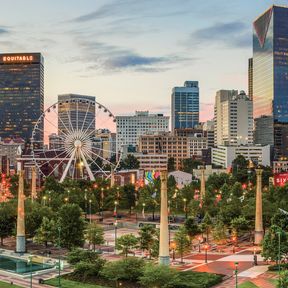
[
  {"x": 247, "y": 284},
  {"x": 8, "y": 285},
  {"x": 69, "y": 284}
]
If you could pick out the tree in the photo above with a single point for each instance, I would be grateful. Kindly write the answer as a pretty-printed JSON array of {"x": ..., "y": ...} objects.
[
  {"x": 47, "y": 232},
  {"x": 171, "y": 164},
  {"x": 182, "y": 241},
  {"x": 207, "y": 224},
  {"x": 240, "y": 168},
  {"x": 126, "y": 243},
  {"x": 80, "y": 255},
  {"x": 128, "y": 197},
  {"x": 95, "y": 235},
  {"x": 34, "y": 216},
  {"x": 158, "y": 276},
  {"x": 270, "y": 245},
  {"x": 189, "y": 164},
  {"x": 239, "y": 224},
  {"x": 283, "y": 281},
  {"x": 219, "y": 232},
  {"x": 192, "y": 228},
  {"x": 71, "y": 225},
  {"x": 7, "y": 219},
  {"x": 130, "y": 162},
  {"x": 147, "y": 234},
  {"x": 280, "y": 219}
]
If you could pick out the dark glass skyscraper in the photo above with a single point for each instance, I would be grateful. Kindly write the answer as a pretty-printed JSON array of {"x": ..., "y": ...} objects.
[
  {"x": 270, "y": 79},
  {"x": 185, "y": 106},
  {"x": 21, "y": 94}
]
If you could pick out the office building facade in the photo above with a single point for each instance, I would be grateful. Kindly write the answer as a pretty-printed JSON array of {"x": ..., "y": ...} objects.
[
  {"x": 185, "y": 106},
  {"x": 76, "y": 112},
  {"x": 250, "y": 78},
  {"x": 21, "y": 94},
  {"x": 130, "y": 128},
  {"x": 233, "y": 118},
  {"x": 270, "y": 79}
]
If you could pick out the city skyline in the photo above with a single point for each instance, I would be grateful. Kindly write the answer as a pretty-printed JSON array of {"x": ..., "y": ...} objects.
[{"x": 113, "y": 48}]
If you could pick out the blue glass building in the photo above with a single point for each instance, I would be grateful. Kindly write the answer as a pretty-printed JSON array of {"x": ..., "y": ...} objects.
[
  {"x": 21, "y": 94},
  {"x": 270, "y": 79},
  {"x": 185, "y": 106}
]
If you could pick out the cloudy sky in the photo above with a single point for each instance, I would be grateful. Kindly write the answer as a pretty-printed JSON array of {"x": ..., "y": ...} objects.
[{"x": 131, "y": 53}]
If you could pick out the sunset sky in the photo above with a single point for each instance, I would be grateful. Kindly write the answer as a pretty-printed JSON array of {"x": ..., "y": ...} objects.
[{"x": 131, "y": 53}]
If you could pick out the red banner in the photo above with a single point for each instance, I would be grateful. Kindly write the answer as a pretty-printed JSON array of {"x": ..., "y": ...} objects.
[{"x": 280, "y": 179}]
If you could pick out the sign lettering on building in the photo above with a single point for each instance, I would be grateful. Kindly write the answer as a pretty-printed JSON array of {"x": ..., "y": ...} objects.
[{"x": 18, "y": 58}]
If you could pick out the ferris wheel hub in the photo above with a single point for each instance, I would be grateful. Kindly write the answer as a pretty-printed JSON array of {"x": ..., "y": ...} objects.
[{"x": 77, "y": 144}]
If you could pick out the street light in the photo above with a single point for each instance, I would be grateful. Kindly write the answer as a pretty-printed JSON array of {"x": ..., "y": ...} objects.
[
  {"x": 59, "y": 246},
  {"x": 279, "y": 257},
  {"x": 30, "y": 265},
  {"x": 115, "y": 209},
  {"x": 199, "y": 244},
  {"x": 90, "y": 220},
  {"x": 66, "y": 199},
  {"x": 44, "y": 200},
  {"x": 115, "y": 225},
  {"x": 206, "y": 252},
  {"x": 236, "y": 274},
  {"x": 173, "y": 247},
  {"x": 102, "y": 201},
  {"x": 185, "y": 207},
  {"x": 234, "y": 240}
]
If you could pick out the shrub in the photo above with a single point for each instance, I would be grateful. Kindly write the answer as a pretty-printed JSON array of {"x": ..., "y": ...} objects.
[
  {"x": 85, "y": 269},
  {"x": 275, "y": 267},
  {"x": 158, "y": 276},
  {"x": 79, "y": 255},
  {"x": 129, "y": 269}
]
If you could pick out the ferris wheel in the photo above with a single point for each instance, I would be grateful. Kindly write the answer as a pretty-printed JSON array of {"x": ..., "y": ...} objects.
[{"x": 75, "y": 138}]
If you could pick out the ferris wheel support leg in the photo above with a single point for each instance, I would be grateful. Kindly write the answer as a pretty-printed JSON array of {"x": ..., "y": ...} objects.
[
  {"x": 67, "y": 167},
  {"x": 91, "y": 176}
]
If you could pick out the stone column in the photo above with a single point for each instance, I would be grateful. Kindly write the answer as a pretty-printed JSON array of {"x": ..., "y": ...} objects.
[
  {"x": 132, "y": 178},
  {"x": 164, "y": 258},
  {"x": 203, "y": 188},
  {"x": 20, "y": 238},
  {"x": 259, "y": 232},
  {"x": 112, "y": 182},
  {"x": 33, "y": 183}
]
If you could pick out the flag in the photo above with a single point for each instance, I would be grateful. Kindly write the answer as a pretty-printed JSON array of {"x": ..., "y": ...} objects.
[
  {"x": 143, "y": 212},
  {"x": 115, "y": 211},
  {"x": 174, "y": 195},
  {"x": 154, "y": 195}
]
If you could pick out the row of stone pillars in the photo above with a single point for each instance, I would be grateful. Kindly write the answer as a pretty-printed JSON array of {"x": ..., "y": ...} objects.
[{"x": 164, "y": 256}]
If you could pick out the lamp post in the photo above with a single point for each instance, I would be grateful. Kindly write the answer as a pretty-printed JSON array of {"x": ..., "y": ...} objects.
[
  {"x": 66, "y": 199},
  {"x": 185, "y": 207},
  {"x": 173, "y": 247},
  {"x": 44, "y": 200},
  {"x": 30, "y": 265},
  {"x": 102, "y": 201},
  {"x": 236, "y": 274},
  {"x": 206, "y": 252},
  {"x": 90, "y": 219},
  {"x": 234, "y": 240},
  {"x": 199, "y": 244},
  {"x": 115, "y": 209},
  {"x": 279, "y": 257},
  {"x": 59, "y": 264},
  {"x": 115, "y": 225}
]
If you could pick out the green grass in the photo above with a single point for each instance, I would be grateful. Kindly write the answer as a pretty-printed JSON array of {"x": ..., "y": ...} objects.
[
  {"x": 8, "y": 285},
  {"x": 69, "y": 284},
  {"x": 247, "y": 285}
]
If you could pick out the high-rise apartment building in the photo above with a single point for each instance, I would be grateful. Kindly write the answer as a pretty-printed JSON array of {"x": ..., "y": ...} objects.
[
  {"x": 185, "y": 106},
  {"x": 76, "y": 112},
  {"x": 233, "y": 118},
  {"x": 130, "y": 128},
  {"x": 250, "y": 78},
  {"x": 270, "y": 79},
  {"x": 21, "y": 94}
]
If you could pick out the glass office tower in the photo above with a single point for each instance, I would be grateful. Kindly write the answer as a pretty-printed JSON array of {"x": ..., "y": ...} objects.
[
  {"x": 270, "y": 79},
  {"x": 21, "y": 94},
  {"x": 185, "y": 106}
]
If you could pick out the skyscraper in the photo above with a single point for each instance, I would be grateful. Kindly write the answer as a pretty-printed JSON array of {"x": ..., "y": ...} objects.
[
  {"x": 21, "y": 94},
  {"x": 250, "y": 78},
  {"x": 270, "y": 79},
  {"x": 233, "y": 118},
  {"x": 185, "y": 106},
  {"x": 76, "y": 112}
]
